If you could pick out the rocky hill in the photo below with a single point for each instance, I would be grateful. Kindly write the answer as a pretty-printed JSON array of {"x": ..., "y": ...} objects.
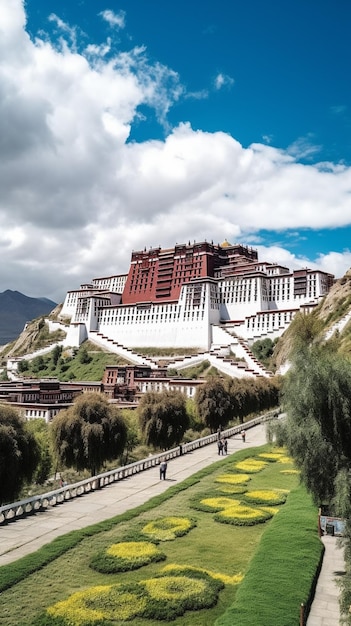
[{"x": 16, "y": 310}]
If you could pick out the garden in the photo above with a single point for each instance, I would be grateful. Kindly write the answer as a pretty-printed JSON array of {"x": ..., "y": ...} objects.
[{"x": 236, "y": 543}]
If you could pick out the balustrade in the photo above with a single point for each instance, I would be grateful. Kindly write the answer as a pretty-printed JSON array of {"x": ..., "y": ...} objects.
[{"x": 35, "y": 504}]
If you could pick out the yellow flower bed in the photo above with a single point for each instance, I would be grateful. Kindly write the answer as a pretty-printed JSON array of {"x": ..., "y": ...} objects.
[
  {"x": 127, "y": 555},
  {"x": 132, "y": 550},
  {"x": 243, "y": 515},
  {"x": 159, "y": 598},
  {"x": 286, "y": 459},
  {"x": 219, "y": 503},
  {"x": 234, "y": 511},
  {"x": 168, "y": 528},
  {"x": 99, "y": 604},
  {"x": 270, "y": 509},
  {"x": 271, "y": 456},
  {"x": 266, "y": 496},
  {"x": 225, "y": 578},
  {"x": 251, "y": 465},
  {"x": 233, "y": 479},
  {"x": 174, "y": 587}
]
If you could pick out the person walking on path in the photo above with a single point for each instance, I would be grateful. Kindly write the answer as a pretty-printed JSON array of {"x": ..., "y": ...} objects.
[
  {"x": 243, "y": 436},
  {"x": 225, "y": 446},
  {"x": 220, "y": 446},
  {"x": 163, "y": 470}
]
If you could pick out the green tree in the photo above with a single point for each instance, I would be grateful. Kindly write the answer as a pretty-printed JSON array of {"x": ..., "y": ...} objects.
[
  {"x": 213, "y": 404},
  {"x": 263, "y": 350},
  {"x": 317, "y": 432},
  {"x": 55, "y": 355},
  {"x": 19, "y": 454},
  {"x": 89, "y": 433},
  {"x": 317, "y": 398},
  {"x": 23, "y": 365},
  {"x": 163, "y": 418},
  {"x": 133, "y": 433},
  {"x": 38, "y": 364},
  {"x": 84, "y": 357},
  {"x": 40, "y": 430}
]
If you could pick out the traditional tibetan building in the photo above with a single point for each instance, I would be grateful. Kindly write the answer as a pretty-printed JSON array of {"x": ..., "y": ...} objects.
[{"x": 197, "y": 295}]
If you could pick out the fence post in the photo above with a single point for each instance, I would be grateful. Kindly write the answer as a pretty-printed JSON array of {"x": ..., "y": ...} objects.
[{"x": 302, "y": 614}]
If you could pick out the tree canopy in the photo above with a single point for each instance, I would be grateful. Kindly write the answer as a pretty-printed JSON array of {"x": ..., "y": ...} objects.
[
  {"x": 213, "y": 402},
  {"x": 19, "y": 454},
  {"x": 89, "y": 433},
  {"x": 317, "y": 398},
  {"x": 163, "y": 418}
]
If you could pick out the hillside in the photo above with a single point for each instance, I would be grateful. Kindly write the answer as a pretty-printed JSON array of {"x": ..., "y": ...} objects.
[
  {"x": 331, "y": 311},
  {"x": 16, "y": 310}
]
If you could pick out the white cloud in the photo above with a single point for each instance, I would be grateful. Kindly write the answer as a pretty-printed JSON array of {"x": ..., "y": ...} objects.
[
  {"x": 303, "y": 148},
  {"x": 77, "y": 195},
  {"x": 114, "y": 19},
  {"x": 223, "y": 80}
]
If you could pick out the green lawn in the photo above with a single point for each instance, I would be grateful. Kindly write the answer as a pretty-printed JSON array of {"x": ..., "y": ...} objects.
[{"x": 277, "y": 560}]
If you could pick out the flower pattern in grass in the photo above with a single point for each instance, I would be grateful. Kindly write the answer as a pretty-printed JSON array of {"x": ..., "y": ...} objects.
[
  {"x": 266, "y": 496},
  {"x": 251, "y": 466},
  {"x": 210, "y": 505},
  {"x": 164, "y": 597},
  {"x": 127, "y": 555},
  {"x": 168, "y": 528},
  {"x": 172, "y": 595},
  {"x": 99, "y": 605},
  {"x": 286, "y": 459},
  {"x": 243, "y": 515},
  {"x": 233, "y": 479},
  {"x": 290, "y": 471},
  {"x": 235, "y": 579},
  {"x": 271, "y": 456}
]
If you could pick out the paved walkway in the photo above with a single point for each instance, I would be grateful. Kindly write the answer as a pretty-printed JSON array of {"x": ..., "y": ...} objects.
[
  {"x": 26, "y": 535},
  {"x": 325, "y": 607}
]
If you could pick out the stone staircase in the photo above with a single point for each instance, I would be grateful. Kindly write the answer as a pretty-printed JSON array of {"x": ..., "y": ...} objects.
[
  {"x": 338, "y": 326},
  {"x": 241, "y": 349},
  {"x": 117, "y": 348}
]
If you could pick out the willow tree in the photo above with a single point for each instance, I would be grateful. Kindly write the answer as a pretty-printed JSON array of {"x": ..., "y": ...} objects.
[
  {"x": 19, "y": 454},
  {"x": 317, "y": 399},
  {"x": 163, "y": 418},
  {"x": 213, "y": 404},
  {"x": 89, "y": 433}
]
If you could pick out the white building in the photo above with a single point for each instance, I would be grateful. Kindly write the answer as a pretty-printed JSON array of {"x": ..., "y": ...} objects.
[{"x": 193, "y": 295}]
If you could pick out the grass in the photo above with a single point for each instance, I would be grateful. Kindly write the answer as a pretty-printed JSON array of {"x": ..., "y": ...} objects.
[
  {"x": 70, "y": 367},
  {"x": 280, "y": 574},
  {"x": 268, "y": 554}
]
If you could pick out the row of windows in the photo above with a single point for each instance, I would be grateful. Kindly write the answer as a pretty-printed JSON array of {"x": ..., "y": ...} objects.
[{"x": 269, "y": 320}]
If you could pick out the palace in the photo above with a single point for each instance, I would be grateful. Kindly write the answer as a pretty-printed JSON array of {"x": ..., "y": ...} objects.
[{"x": 195, "y": 295}]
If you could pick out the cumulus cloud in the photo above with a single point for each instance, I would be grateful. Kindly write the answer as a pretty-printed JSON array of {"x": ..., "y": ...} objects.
[{"x": 77, "y": 195}]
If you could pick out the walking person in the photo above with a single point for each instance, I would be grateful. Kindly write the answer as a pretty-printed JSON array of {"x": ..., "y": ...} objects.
[
  {"x": 225, "y": 446},
  {"x": 243, "y": 436},
  {"x": 163, "y": 470},
  {"x": 220, "y": 446}
]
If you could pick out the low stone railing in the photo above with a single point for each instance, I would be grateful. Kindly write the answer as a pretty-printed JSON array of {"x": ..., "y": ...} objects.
[{"x": 35, "y": 504}]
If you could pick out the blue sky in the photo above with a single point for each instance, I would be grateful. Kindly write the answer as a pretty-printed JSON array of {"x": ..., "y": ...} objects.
[{"x": 129, "y": 124}]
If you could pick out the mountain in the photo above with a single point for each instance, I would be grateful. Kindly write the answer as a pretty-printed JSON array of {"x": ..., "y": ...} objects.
[{"x": 16, "y": 309}]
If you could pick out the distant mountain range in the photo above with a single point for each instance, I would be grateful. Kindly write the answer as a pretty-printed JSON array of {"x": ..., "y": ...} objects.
[{"x": 16, "y": 309}]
